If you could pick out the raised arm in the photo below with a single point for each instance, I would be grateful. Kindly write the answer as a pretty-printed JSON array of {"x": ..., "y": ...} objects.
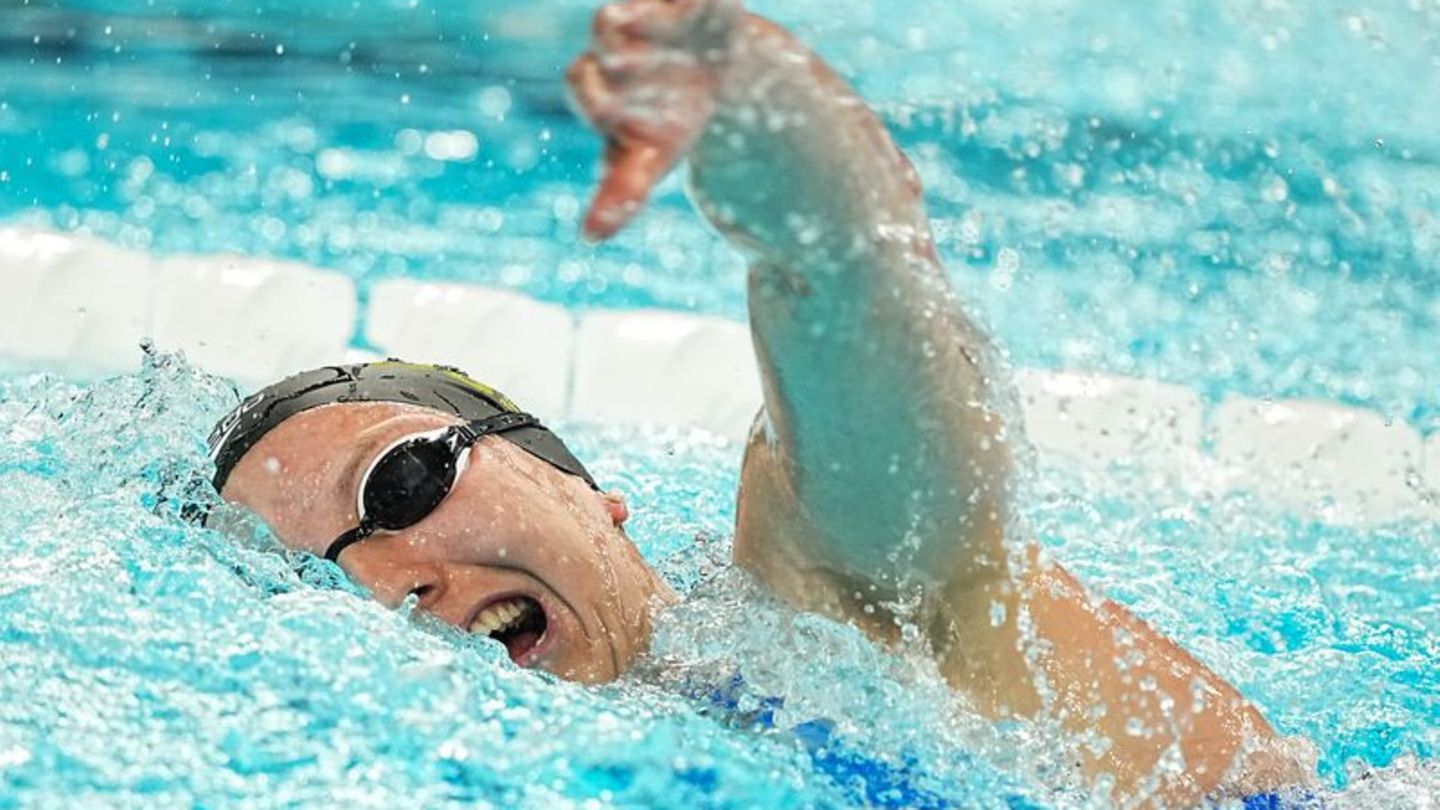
[
  {"x": 876, "y": 483},
  {"x": 879, "y": 458}
]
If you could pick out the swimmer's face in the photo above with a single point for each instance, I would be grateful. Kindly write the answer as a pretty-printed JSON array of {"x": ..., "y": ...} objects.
[{"x": 518, "y": 550}]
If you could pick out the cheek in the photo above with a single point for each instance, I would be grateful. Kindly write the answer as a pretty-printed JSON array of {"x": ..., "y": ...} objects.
[
  {"x": 506, "y": 501},
  {"x": 495, "y": 516}
]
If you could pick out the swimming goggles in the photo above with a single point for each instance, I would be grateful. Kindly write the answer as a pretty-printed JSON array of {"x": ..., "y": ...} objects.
[{"x": 411, "y": 477}]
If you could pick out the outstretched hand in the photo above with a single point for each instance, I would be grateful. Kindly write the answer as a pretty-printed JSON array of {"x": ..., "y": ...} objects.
[{"x": 649, "y": 83}]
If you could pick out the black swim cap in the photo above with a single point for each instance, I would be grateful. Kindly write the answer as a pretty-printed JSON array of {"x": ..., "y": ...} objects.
[{"x": 439, "y": 387}]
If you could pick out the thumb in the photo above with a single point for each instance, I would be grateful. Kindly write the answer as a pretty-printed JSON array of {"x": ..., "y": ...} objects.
[{"x": 631, "y": 171}]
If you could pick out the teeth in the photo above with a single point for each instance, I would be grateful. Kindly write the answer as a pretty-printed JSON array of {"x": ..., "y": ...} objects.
[{"x": 500, "y": 617}]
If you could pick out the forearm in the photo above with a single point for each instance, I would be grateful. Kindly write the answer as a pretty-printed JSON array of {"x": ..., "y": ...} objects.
[
  {"x": 798, "y": 172},
  {"x": 1151, "y": 715},
  {"x": 878, "y": 388}
]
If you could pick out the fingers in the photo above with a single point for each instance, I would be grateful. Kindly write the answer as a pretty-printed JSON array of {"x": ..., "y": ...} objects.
[
  {"x": 593, "y": 99},
  {"x": 718, "y": 19},
  {"x": 649, "y": 84},
  {"x": 632, "y": 170},
  {"x": 635, "y": 160},
  {"x": 622, "y": 25},
  {"x": 616, "y": 26},
  {"x": 600, "y": 88}
]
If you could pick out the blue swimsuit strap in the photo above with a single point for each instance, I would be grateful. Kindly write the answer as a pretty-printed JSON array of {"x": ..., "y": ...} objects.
[
  {"x": 1297, "y": 800},
  {"x": 870, "y": 781},
  {"x": 877, "y": 783}
]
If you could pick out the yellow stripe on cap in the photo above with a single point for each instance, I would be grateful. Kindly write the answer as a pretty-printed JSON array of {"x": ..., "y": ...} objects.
[{"x": 457, "y": 376}]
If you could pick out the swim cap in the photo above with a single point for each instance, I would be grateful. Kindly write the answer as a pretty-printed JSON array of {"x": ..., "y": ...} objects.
[{"x": 442, "y": 388}]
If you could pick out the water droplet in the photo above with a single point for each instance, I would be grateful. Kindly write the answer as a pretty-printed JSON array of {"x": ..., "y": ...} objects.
[{"x": 997, "y": 613}]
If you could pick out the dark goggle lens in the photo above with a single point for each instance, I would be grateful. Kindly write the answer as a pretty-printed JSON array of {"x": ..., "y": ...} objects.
[{"x": 409, "y": 483}]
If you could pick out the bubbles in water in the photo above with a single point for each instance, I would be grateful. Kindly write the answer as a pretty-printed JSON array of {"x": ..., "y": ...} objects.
[
  {"x": 1127, "y": 193},
  {"x": 239, "y": 672}
]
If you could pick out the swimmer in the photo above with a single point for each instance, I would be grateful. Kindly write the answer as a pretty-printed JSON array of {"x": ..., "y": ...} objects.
[{"x": 879, "y": 468}]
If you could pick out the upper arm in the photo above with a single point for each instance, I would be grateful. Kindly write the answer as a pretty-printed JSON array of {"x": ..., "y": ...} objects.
[
  {"x": 882, "y": 458},
  {"x": 775, "y": 540},
  {"x": 884, "y": 455}
]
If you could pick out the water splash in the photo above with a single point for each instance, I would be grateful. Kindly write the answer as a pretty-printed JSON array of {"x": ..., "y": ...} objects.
[
  {"x": 232, "y": 677},
  {"x": 237, "y": 672}
]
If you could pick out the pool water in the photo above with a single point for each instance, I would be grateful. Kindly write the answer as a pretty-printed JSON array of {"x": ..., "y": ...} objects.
[
  {"x": 1237, "y": 197},
  {"x": 149, "y": 660},
  {"x": 1256, "y": 182}
]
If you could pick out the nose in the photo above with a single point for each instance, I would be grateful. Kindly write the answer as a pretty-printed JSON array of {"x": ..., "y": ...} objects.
[{"x": 392, "y": 581}]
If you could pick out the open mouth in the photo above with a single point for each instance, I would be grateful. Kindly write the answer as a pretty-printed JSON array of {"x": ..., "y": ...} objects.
[{"x": 518, "y": 622}]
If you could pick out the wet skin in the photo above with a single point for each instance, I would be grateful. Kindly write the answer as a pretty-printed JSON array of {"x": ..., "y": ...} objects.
[
  {"x": 512, "y": 526},
  {"x": 868, "y": 365}
]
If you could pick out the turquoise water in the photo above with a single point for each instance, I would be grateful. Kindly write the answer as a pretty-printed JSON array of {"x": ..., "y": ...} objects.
[
  {"x": 145, "y": 660},
  {"x": 1194, "y": 190},
  {"x": 1234, "y": 197}
]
